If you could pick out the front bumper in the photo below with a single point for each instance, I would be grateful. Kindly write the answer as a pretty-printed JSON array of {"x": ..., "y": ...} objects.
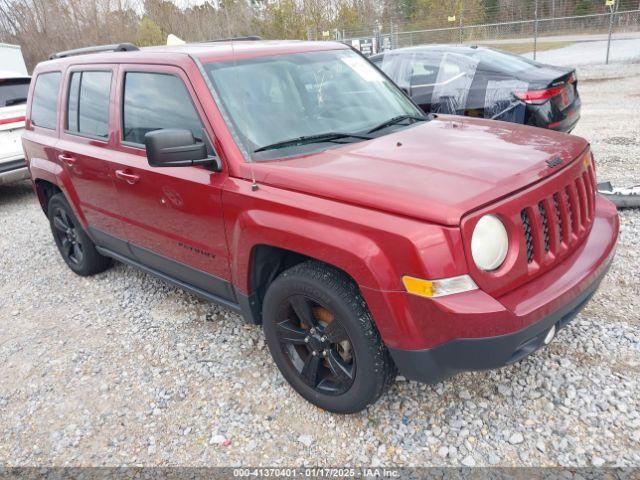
[
  {"x": 13, "y": 170},
  {"x": 435, "y": 364},
  {"x": 552, "y": 299}
]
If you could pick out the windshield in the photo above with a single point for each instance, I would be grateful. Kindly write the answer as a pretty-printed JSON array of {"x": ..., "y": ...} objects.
[
  {"x": 275, "y": 99},
  {"x": 13, "y": 91}
]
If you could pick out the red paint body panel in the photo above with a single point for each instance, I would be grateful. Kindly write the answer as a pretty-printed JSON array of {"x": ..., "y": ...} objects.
[
  {"x": 402, "y": 204},
  {"x": 441, "y": 170},
  {"x": 425, "y": 323}
]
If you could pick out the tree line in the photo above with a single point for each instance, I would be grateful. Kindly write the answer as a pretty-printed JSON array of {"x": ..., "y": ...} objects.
[{"x": 43, "y": 27}]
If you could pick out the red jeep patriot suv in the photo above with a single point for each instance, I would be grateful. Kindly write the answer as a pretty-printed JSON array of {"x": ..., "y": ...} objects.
[{"x": 294, "y": 183}]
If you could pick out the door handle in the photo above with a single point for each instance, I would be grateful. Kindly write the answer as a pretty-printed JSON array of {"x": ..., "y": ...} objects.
[
  {"x": 130, "y": 178},
  {"x": 70, "y": 161}
]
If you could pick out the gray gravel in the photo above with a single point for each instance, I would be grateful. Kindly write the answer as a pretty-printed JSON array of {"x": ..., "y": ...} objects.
[
  {"x": 120, "y": 369},
  {"x": 592, "y": 52}
]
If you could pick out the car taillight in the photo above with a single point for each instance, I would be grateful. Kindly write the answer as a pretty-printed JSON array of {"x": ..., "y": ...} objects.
[
  {"x": 539, "y": 96},
  {"x": 4, "y": 121}
]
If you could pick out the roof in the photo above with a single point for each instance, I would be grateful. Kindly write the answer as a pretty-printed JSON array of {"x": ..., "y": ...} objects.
[
  {"x": 207, "y": 52},
  {"x": 228, "y": 50},
  {"x": 436, "y": 47}
]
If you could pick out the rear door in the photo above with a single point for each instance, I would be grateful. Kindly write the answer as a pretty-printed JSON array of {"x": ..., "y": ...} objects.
[
  {"x": 86, "y": 141},
  {"x": 171, "y": 216}
]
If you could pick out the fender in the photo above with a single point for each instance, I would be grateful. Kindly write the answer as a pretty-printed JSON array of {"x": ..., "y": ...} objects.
[
  {"x": 374, "y": 248},
  {"x": 352, "y": 252}
]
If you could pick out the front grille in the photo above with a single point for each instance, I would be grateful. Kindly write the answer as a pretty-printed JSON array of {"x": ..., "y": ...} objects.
[
  {"x": 555, "y": 223},
  {"x": 546, "y": 224}
]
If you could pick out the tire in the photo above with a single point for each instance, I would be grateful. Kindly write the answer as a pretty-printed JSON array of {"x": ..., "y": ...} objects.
[
  {"x": 311, "y": 308},
  {"x": 76, "y": 248}
]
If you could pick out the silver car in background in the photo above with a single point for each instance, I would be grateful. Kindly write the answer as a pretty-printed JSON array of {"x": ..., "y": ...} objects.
[{"x": 14, "y": 85}]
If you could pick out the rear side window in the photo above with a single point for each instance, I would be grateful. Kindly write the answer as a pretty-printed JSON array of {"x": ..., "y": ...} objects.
[
  {"x": 88, "y": 106},
  {"x": 503, "y": 62},
  {"x": 13, "y": 91},
  {"x": 424, "y": 69},
  {"x": 44, "y": 108},
  {"x": 153, "y": 101}
]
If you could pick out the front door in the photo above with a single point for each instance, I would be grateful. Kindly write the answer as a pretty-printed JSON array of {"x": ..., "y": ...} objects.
[{"x": 171, "y": 216}]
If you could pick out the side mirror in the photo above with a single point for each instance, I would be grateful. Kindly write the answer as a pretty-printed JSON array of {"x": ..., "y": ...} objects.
[{"x": 176, "y": 148}]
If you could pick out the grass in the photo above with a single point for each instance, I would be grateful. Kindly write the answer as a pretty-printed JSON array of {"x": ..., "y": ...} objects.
[{"x": 520, "y": 48}]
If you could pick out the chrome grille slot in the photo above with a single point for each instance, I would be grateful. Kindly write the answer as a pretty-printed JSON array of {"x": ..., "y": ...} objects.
[
  {"x": 573, "y": 223},
  {"x": 545, "y": 226},
  {"x": 528, "y": 235},
  {"x": 556, "y": 209}
]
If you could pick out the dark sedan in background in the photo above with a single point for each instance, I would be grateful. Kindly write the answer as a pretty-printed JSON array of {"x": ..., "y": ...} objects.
[{"x": 487, "y": 83}]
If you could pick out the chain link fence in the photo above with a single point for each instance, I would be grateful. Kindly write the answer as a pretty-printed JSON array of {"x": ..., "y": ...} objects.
[{"x": 521, "y": 36}]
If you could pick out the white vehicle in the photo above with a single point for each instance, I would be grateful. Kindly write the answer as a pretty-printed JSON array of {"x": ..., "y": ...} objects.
[{"x": 14, "y": 85}]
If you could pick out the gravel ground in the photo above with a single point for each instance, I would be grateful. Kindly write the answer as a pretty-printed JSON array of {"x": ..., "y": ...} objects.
[{"x": 120, "y": 369}]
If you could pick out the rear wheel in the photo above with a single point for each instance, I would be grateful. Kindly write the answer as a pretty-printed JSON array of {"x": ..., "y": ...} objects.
[
  {"x": 322, "y": 338},
  {"x": 75, "y": 246}
]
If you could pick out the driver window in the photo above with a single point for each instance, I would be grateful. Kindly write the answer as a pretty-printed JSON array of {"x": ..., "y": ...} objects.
[{"x": 153, "y": 101}]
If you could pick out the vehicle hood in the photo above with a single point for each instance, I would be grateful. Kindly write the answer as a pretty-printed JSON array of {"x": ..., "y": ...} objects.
[{"x": 435, "y": 171}]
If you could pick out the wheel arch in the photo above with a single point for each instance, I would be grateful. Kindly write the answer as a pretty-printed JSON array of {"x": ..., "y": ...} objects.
[
  {"x": 264, "y": 244},
  {"x": 45, "y": 190},
  {"x": 50, "y": 177},
  {"x": 266, "y": 263}
]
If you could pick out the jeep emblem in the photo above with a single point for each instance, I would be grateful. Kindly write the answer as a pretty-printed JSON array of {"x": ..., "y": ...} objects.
[{"x": 554, "y": 162}]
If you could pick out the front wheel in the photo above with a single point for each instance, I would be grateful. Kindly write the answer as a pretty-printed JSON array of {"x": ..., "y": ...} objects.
[{"x": 323, "y": 340}]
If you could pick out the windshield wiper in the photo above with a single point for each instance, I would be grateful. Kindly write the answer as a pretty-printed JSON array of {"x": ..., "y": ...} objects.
[
  {"x": 398, "y": 119},
  {"x": 307, "y": 139}
]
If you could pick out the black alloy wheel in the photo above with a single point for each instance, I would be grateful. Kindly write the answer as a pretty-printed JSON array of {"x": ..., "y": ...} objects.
[
  {"x": 67, "y": 237},
  {"x": 323, "y": 340},
  {"x": 316, "y": 344},
  {"x": 76, "y": 248}
]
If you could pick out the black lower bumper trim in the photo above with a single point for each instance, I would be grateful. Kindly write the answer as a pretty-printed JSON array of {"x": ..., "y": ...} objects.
[
  {"x": 435, "y": 364},
  {"x": 12, "y": 165}
]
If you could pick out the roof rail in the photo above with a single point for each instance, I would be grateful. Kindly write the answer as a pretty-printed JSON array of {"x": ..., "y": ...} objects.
[
  {"x": 248, "y": 38},
  {"x": 116, "y": 47}
]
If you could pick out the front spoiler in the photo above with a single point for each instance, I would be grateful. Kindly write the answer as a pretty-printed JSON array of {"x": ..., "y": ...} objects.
[{"x": 435, "y": 364}]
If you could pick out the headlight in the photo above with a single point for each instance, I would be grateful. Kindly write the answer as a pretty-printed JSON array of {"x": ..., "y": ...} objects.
[{"x": 489, "y": 243}]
